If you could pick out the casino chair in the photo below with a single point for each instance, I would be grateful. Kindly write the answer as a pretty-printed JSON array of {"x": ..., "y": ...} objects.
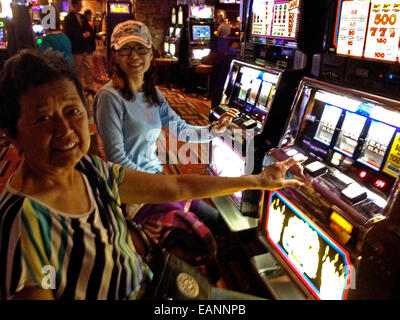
[
  {"x": 173, "y": 244},
  {"x": 201, "y": 71}
]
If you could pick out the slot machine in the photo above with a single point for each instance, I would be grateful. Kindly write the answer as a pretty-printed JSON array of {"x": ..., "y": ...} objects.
[
  {"x": 263, "y": 88},
  {"x": 337, "y": 237},
  {"x": 37, "y": 27},
  {"x": 200, "y": 29},
  {"x": 169, "y": 37},
  {"x": 3, "y": 41},
  {"x": 117, "y": 12},
  {"x": 176, "y": 42},
  {"x": 3, "y": 34}
]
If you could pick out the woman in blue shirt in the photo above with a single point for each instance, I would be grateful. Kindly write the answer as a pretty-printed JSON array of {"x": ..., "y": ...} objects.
[{"x": 130, "y": 112}]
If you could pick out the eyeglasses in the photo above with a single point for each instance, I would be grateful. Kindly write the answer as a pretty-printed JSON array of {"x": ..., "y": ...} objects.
[{"x": 127, "y": 50}]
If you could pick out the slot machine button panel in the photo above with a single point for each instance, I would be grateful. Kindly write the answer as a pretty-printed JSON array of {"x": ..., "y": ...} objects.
[
  {"x": 315, "y": 169},
  {"x": 354, "y": 193}
]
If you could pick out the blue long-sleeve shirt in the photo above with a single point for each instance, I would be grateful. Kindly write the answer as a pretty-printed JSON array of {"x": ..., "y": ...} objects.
[{"x": 129, "y": 129}]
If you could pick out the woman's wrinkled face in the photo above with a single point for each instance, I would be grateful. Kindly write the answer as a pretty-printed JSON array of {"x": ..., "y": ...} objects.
[
  {"x": 134, "y": 59},
  {"x": 53, "y": 127}
]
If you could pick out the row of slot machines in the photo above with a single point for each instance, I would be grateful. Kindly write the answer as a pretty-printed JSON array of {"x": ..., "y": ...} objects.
[
  {"x": 188, "y": 38},
  {"x": 338, "y": 112}
]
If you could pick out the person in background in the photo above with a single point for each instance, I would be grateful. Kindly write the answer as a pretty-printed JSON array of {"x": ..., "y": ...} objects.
[
  {"x": 92, "y": 38},
  {"x": 78, "y": 30},
  {"x": 60, "y": 211},
  {"x": 57, "y": 40},
  {"x": 224, "y": 29}
]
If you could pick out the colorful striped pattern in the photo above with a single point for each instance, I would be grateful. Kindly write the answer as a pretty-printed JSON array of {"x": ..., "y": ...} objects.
[{"x": 92, "y": 254}]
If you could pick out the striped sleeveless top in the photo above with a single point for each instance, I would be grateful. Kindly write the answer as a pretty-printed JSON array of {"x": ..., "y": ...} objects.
[{"x": 87, "y": 256}]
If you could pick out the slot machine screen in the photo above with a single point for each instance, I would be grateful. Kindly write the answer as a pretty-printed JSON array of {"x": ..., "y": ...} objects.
[
  {"x": 201, "y": 32},
  {"x": 172, "y": 48},
  {"x": 65, "y": 6},
  {"x": 198, "y": 54},
  {"x": 248, "y": 81},
  {"x": 227, "y": 162},
  {"x": 173, "y": 16},
  {"x": 3, "y": 36},
  {"x": 377, "y": 141},
  {"x": 327, "y": 124},
  {"x": 5, "y": 6},
  {"x": 201, "y": 12},
  {"x": 322, "y": 265},
  {"x": 369, "y": 29},
  {"x": 275, "y": 22},
  {"x": 252, "y": 89},
  {"x": 265, "y": 96},
  {"x": 180, "y": 16},
  {"x": 122, "y": 8}
]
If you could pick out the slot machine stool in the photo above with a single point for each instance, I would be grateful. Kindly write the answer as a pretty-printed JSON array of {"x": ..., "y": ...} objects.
[
  {"x": 207, "y": 70},
  {"x": 163, "y": 67}
]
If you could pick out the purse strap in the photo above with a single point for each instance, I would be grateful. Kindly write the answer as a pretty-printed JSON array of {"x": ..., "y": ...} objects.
[{"x": 147, "y": 243}]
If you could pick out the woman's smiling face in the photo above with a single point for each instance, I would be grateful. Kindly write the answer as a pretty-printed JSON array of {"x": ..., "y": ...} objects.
[
  {"x": 53, "y": 127},
  {"x": 134, "y": 59}
]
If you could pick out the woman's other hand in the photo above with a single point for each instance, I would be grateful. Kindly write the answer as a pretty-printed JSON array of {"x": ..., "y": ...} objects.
[
  {"x": 225, "y": 120},
  {"x": 273, "y": 176}
]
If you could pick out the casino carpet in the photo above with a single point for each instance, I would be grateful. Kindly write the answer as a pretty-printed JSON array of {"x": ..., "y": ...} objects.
[{"x": 235, "y": 249}]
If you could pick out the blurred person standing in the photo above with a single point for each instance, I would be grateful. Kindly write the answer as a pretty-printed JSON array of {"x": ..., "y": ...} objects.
[
  {"x": 79, "y": 32},
  {"x": 224, "y": 29},
  {"x": 92, "y": 38}
]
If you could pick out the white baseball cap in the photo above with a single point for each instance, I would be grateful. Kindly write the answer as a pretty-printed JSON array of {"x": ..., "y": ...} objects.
[{"x": 129, "y": 31}]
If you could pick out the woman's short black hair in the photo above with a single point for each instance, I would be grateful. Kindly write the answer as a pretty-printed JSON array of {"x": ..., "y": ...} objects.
[{"x": 27, "y": 69}]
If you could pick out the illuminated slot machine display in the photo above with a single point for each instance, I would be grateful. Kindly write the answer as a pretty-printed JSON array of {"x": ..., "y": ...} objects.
[
  {"x": 337, "y": 237},
  {"x": 227, "y": 162},
  {"x": 117, "y": 12},
  {"x": 3, "y": 34},
  {"x": 37, "y": 27},
  {"x": 199, "y": 33},
  {"x": 363, "y": 46}
]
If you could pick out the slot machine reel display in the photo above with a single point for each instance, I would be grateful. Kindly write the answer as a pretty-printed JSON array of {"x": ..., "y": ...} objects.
[
  {"x": 338, "y": 237},
  {"x": 3, "y": 34},
  {"x": 363, "y": 46}
]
